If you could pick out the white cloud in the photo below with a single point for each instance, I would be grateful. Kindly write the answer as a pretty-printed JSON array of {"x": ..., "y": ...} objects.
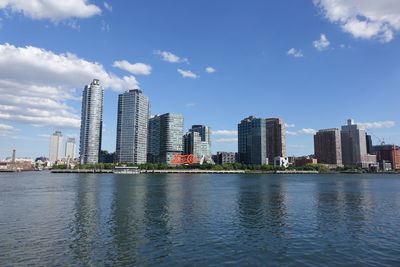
[
  {"x": 168, "y": 56},
  {"x": 210, "y": 70},
  {"x": 188, "y": 74},
  {"x": 290, "y": 125},
  {"x": 36, "y": 85},
  {"x": 5, "y": 127},
  {"x": 225, "y": 132},
  {"x": 302, "y": 131},
  {"x": 227, "y": 140},
  {"x": 134, "y": 68},
  {"x": 55, "y": 10},
  {"x": 43, "y": 135},
  {"x": 6, "y": 130},
  {"x": 294, "y": 52},
  {"x": 108, "y": 6},
  {"x": 321, "y": 44},
  {"x": 365, "y": 19},
  {"x": 378, "y": 124}
]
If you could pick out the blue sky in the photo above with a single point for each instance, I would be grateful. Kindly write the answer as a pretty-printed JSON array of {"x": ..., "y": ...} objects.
[{"x": 313, "y": 63}]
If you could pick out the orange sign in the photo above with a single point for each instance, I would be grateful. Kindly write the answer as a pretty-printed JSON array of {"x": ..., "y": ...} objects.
[{"x": 183, "y": 159}]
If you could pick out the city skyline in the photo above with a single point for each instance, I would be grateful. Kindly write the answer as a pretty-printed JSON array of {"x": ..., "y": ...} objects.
[{"x": 311, "y": 70}]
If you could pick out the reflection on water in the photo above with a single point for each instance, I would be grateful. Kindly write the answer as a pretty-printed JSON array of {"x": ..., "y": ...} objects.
[{"x": 119, "y": 220}]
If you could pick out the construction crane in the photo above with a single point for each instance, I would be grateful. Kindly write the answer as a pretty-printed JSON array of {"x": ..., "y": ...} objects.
[{"x": 381, "y": 141}]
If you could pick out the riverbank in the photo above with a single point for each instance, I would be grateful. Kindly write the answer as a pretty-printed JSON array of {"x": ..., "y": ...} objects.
[{"x": 199, "y": 171}]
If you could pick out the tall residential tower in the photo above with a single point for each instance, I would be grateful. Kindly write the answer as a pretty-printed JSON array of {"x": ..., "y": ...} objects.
[
  {"x": 276, "y": 139},
  {"x": 165, "y": 137},
  {"x": 252, "y": 141},
  {"x": 56, "y": 141},
  {"x": 328, "y": 147},
  {"x": 354, "y": 146},
  {"x": 132, "y": 127},
  {"x": 91, "y": 123},
  {"x": 70, "y": 148},
  {"x": 198, "y": 142}
]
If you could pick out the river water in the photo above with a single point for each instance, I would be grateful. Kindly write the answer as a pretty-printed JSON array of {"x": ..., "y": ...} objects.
[{"x": 196, "y": 220}]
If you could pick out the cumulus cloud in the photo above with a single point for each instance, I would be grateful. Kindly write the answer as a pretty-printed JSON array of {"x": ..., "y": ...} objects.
[
  {"x": 225, "y": 132},
  {"x": 210, "y": 70},
  {"x": 302, "y": 131},
  {"x": 294, "y": 52},
  {"x": 36, "y": 85},
  {"x": 321, "y": 44},
  {"x": 134, "y": 68},
  {"x": 378, "y": 124},
  {"x": 227, "y": 140},
  {"x": 188, "y": 74},
  {"x": 364, "y": 19},
  {"x": 51, "y": 9},
  {"x": 169, "y": 57}
]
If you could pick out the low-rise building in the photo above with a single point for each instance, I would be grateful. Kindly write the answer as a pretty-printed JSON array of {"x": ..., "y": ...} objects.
[
  {"x": 227, "y": 157},
  {"x": 388, "y": 153},
  {"x": 301, "y": 161},
  {"x": 281, "y": 162}
]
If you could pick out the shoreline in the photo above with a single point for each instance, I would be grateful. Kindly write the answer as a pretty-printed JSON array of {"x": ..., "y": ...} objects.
[{"x": 212, "y": 172}]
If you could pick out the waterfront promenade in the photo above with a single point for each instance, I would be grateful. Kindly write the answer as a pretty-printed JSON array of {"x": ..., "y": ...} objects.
[{"x": 197, "y": 171}]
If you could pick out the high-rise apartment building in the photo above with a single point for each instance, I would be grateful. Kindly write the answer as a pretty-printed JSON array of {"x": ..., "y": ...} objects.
[
  {"x": 56, "y": 141},
  {"x": 91, "y": 123},
  {"x": 276, "y": 139},
  {"x": 70, "y": 148},
  {"x": 252, "y": 141},
  {"x": 328, "y": 147},
  {"x": 165, "y": 138},
  {"x": 354, "y": 146},
  {"x": 198, "y": 142},
  {"x": 132, "y": 127},
  {"x": 368, "y": 139},
  {"x": 154, "y": 139}
]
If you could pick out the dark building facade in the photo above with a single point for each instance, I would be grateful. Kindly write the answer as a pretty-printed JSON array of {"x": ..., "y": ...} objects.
[
  {"x": 328, "y": 147},
  {"x": 368, "y": 139},
  {"x": 227, "y": 157},
  {"x": 388, "y": 153},
  {"x": 275, "y": 139},
  {"x": 252, "y": 147}
]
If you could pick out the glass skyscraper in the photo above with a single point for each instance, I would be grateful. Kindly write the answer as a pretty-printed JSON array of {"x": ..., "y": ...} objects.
[
  {"x": 165, "y": 137},
  {"x": 252, "y": 141},
  {"x": 91, "y": 123},
  {"x": 132, "y": 127},
  {"x": 198, "y": 142}
]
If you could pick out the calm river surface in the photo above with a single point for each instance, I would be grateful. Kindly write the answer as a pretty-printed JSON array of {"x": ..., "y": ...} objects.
[{"x": 196, "y": 220}]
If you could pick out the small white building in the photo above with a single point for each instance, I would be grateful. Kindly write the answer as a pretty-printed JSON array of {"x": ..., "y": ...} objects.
[{"x": 281, "y": 162}]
